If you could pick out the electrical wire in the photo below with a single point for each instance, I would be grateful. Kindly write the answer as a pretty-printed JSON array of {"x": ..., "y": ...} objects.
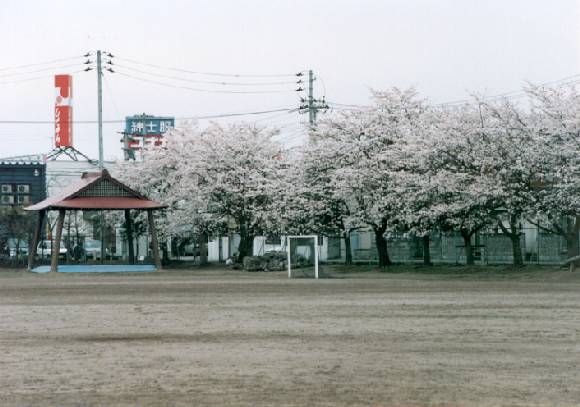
[
  {"x": 203, "y": 90},
  {"x": 281, "y": 75},
  {"x": 222, "y": 83},
  {"x": 110, "y": 95},
  {"x": 214, "y": 116},
  {"x": 323, "y": 86},
  {"x": 39, "y": 63},
  {"x": 39, "y": 70},
  {"x": 35, "y": 78},
  {"x": 515, "y": 94},
  {"x": 344, "y": 104},
  {"x": 275, "y": 116},
  {"x": 236, "y": 114}
]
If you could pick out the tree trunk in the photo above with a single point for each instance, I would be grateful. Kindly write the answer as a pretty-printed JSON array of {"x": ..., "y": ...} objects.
[
  {"x": 517, "y": 250},
  {"x": 514, "y": 234},
  {"x": 154, "y": 241},
  {"x": 55, "y": 245},
  {"x": 515, "y": 238},
  {"x": 164, "y": 253},
  {"x": 129, "y": 230},
  {"x": 35, "y": 239},
  {"x": 381, "y": 243},
  {"x": 426, "y": 251},
  {"x": 572, "y": 241},
  {"x": 77, "y": 234},
  {"x": 246, "y": 246},
  {"x": 347, "y": 249},
  {"x": 469, "y": 258},
  {"x": 202, "y": 249},
  {"x": 67, "y": 242}
]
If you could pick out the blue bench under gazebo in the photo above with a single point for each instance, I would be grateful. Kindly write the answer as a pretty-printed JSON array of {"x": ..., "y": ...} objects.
[{"x": 95, "y": 191}]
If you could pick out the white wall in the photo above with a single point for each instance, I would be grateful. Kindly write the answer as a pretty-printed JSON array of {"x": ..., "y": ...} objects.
[{"x": 213, "y": 249}]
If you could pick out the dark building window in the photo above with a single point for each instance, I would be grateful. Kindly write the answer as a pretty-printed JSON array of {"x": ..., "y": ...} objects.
[
  {"x": 23, "y": 199},
  {"x": 7, "y": 199}
]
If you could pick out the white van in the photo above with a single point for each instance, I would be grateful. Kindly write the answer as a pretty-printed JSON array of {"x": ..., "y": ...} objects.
[{"x": 44, "y": 249}]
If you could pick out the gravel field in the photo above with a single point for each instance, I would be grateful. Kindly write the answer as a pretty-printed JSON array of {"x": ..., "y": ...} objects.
[{"x": 227, "y": 338}]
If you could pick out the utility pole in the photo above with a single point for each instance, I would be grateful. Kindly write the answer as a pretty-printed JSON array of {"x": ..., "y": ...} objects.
[
  {"x": 101, "y": 164},
  {"x": 311, "y": 104},
  {"x": 100, "y": 125},
  {"x": 311, "y": 110},
  {"x": 100, "y": 108},
  {"x": 125, "y": 141}
]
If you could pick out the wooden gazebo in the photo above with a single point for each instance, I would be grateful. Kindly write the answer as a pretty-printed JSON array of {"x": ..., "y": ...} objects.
[{"x": 94, "y": 191}]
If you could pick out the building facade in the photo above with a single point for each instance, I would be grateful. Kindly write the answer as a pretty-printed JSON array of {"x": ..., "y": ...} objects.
[{"x": 22, "y": 183}]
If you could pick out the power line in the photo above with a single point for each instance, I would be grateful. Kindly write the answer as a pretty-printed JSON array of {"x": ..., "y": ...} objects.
[
  {"x": 203, "y": 90},
  {"x": 9, "y": 68},
  {"x": 515, "y": 94},
  {"x": 110, "y": 95},
  {"x": 35, "y": 78},
  {"x": 281, "y": 75},
  {"x": 39, "y": 70},
  {"x": 221, "y": 83},
  {"x": 323, "y": 86},
  {"x": 236, "y": 114},
  {"x": 274, "y": 116},
  {"x": 568, "y": 80},
  {"x": 214, "y": 116}
]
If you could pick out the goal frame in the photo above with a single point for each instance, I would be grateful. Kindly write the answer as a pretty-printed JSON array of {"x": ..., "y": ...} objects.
[{"x": 315, "y": 237}]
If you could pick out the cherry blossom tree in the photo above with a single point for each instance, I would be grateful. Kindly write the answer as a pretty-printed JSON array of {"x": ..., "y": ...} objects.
[
  {"x": 213, "y": 178},
  {"x": 235, "y": 170},
  {"x": 398, "y": 165},
  {"x": 510, "y": 155},
  {"x": 555, "y": 114},
  {"x": 464, "y": 198},
  {"x": 373, "y": 146},
  {"x": 311, "y": 203}
]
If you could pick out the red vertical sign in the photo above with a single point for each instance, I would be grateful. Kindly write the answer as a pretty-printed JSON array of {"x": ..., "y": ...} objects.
[{"x": 63, "y": 111}]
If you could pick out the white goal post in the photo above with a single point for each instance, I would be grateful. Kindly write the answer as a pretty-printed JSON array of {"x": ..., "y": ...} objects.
[{"x": 289, "y": 238}]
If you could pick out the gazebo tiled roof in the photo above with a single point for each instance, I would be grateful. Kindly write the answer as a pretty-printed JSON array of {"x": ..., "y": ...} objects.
[{"x": 96, "y": 190}]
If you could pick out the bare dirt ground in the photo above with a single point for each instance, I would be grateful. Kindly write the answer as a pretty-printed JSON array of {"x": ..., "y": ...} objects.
[{"x": 229, "y": 338}]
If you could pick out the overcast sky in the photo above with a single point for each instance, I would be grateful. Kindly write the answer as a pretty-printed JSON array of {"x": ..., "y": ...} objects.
[{"x": 445, "y": 48}]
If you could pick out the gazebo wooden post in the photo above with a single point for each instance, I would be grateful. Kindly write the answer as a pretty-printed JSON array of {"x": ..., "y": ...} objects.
[
  {"x": 35, "y": 239},
  {"x": 56, "y": 243},
  {"x": 129, "y": 229},
  {"x": 154, "y": 241}
]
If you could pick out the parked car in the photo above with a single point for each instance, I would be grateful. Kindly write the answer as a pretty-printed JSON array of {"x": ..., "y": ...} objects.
[
  {"x": 190, "y": 249},
  {"x": 16, "y": 246},
  {"x": 92, "y": 249},
  {"x": 44, "y": 249}
]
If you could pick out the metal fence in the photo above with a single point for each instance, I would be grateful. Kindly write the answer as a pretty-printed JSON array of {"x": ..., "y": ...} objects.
[
  {"x": 75, "y": 249},
  {"x": 490, "y": 247}
]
